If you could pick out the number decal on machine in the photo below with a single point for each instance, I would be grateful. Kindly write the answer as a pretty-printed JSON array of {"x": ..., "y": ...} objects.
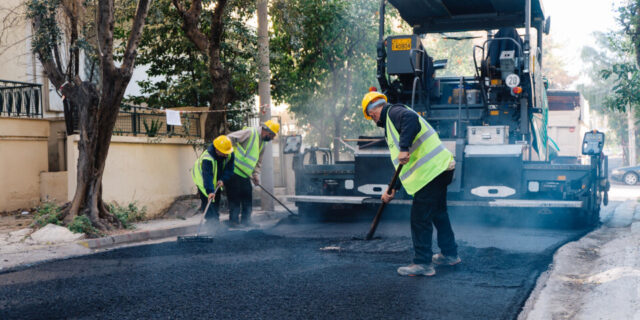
[{"x": 401, "y": 44}]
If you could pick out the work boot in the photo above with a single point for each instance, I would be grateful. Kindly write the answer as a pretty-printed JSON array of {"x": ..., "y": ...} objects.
[
  {"x": 413, "y": 270},
  {"x": 247, "y": 223},
  {"x": 440, "y": 259},
  {"x": 232, "y": 224}
]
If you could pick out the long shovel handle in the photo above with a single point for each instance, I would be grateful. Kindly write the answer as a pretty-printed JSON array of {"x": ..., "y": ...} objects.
[
  {"x": 276, "y": 199},
  {"x": 376, "y": 219},
  {"x": 205, "y": 211},
  {"x": 269, "y": 193}
]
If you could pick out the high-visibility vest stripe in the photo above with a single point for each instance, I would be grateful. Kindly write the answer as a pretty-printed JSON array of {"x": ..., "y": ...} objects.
[
  {"x": 423, "y": 161},
  {"x": 196, "y": 172},
  {"x": 416, "y": 144},
  {"x": 428, "y": 157},
  {"x": 247, "y": 159}
]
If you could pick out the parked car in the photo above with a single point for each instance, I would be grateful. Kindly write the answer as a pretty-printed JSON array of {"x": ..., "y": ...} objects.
[{"x": 628, "y": 175}]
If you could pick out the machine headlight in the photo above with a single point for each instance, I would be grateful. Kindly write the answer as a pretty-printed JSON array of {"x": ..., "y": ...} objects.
[
  {"x": 533, "y": 186},
  {"x": 348, "y": 184}
]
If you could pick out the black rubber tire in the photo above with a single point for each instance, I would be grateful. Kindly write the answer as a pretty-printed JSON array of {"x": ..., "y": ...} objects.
[{"x": 630, "y": 178}]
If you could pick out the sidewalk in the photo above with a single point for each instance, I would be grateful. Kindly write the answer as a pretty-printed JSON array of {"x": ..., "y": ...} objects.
[
  {"x": 596, "y": 277},
  {"x": 19, "y": 249}
]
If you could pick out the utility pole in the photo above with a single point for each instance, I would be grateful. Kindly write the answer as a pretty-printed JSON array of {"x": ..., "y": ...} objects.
[
  {"x": 632, "y": 135},
  {"x": 264, "y": 91}
]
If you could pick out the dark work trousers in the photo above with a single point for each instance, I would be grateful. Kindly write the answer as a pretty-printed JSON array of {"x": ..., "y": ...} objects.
[
  {"x": 212, "y": 214},
  {"x": 239, "y": 193},
  {"x": 430, "y": 208}
]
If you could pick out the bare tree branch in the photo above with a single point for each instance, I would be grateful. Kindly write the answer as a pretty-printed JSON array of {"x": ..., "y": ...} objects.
[
  {"x": 50, "y": 66},
  {"x": 134, "y": 37},
  {"x": 217, "y": 23},
  {"x": 105, "y": 33},
  {"x": 71, "y": 9},
  {"x": 190, "y": 24}
]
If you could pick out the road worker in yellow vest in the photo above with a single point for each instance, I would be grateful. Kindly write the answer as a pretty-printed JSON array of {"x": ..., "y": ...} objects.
[
  {"x": 213, "y": 169},
  {"x": 428, "y": 169},
  {"x": 249, "y": 149}
]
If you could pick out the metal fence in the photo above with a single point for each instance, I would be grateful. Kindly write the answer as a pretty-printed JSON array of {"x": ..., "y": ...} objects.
[
  {"x": 133, "y": 121},
  {"x": 20, "y": 99}
]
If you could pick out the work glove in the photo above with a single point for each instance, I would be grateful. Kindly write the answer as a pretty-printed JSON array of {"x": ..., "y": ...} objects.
[{"x": 255, "y": 179}]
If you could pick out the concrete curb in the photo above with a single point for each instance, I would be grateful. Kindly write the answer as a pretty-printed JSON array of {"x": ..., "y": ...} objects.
[{"x": 137, "y": 236}]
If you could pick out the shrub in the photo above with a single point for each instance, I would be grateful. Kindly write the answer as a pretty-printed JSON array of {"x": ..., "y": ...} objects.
[
  {"x": 82, "y": 224},
  {"x": 153, "y": 128},
  {"x": 128, "y": 214},
  {"x": 47, "y": 213}
]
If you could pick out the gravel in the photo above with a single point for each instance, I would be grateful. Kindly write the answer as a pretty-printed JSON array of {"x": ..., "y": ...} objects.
[{"x": 251, "y": 275}]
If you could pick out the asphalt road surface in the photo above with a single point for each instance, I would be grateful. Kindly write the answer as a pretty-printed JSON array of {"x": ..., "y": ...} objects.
[{"x": 294, "y": 271}]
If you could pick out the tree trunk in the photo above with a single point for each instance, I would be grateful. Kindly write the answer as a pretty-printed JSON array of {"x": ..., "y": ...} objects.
[
  {"x": 223, "y": 94},
  {"x": 97, "y": 119},
  {"x": 631, "y": 131},
  {"x": 216, "y": 123},
  {"x": 264, "y": 91}
]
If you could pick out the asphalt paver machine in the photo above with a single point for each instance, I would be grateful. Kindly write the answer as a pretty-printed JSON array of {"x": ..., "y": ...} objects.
[{"x": 494, "y": 121}]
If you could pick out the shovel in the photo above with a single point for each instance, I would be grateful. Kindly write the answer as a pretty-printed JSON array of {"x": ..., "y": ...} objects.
[
  {"x": 198, "y": 237},
  {"x": 291, "y": 214},
  {"x": 376, "y": 219}
]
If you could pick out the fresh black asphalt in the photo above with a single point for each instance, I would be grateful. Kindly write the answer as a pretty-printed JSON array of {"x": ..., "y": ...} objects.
[{"x": 253, "y": 275}]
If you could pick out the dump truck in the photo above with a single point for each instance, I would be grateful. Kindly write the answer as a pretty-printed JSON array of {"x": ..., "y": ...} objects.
[
  {"x": 568, "y": 122},
  {"x": 495, "y": 121}
]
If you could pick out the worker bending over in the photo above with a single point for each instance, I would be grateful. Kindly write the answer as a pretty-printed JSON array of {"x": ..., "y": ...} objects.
[
  {"x": 214, "y": 168},
  {"x": 428, "y": 169},
  {"x": 249, "y": 149}
]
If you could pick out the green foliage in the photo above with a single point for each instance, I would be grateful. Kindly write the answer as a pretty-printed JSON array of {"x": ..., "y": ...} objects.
[
  {"x": 629, "y": 20},
  {"x": 152, "y": 129},
  {"x": 323, "y": 58},
  {"x": 622, "y": 69},
  {"x": 129, "y": 214},
  {"x": 178, "y": 73},
  {"x": 82, "y": 224},
  {"x": 615, "y": 81},
  {"x": 47, "y": 213},
  {"x": 47, "y": 34},
  {"x": 456, "y": 49}
]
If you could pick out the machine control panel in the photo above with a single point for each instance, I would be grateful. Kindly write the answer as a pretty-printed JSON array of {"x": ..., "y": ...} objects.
[{"x": 593, "y": 143}]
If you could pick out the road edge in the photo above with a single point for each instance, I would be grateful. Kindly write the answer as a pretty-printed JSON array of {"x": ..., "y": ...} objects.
[{"x": 139, "y": 236}]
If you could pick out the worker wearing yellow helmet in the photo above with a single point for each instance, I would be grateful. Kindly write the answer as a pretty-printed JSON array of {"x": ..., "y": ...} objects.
[
  {"x": 212, "y": 170},
  {"x": 249, "y": 150},
  {"x": 427, "y": 170}
]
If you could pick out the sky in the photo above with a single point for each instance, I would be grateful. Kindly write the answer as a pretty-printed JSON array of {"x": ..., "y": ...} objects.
[{"x": 574, "y": 21}]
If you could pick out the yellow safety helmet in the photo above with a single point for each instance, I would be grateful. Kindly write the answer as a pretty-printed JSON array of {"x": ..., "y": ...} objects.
[
  {"x": 223, "y": 144},
  {"x": 371, "y": 96},
  {"x": 273, "y": 126}
]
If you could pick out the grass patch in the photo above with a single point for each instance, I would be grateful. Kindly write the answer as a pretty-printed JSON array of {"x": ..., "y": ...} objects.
[
  {"x": 128, "y": 214},
  {"x": 48, "y": 212},
  {"x": 82, "y": 224}
]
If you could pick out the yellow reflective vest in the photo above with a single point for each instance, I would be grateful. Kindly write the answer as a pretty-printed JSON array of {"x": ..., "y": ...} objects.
[
  {"x": 246, "y": 159},
  {"x": 428, "y": 156},
  {"x": 196, "y": 173}
]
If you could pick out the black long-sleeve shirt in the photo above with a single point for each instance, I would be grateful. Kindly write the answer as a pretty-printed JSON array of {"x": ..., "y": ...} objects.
[
  {"x": 406, "y": 122},
  {"x": 223, "y": 174}
]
